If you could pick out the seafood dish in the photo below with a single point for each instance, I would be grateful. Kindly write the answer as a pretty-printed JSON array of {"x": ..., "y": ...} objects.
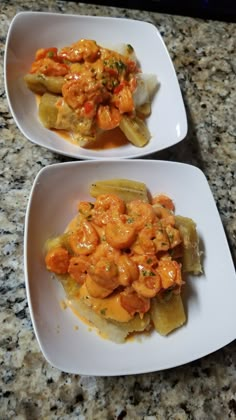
[
  {"x": 85, "y": 89},
  {"x": 123, "y": 260}
]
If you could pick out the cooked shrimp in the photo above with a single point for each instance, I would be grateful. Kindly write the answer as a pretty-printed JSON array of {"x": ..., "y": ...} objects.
[
  {"x": 107, "y": 207},
  {"x": 164, "y": 201},
  {"x": 146, "y": 240},
  {"x": 123, "y": 100},
  {"x": 108, "y": 117},
  {"x": 170, "y": 272},
  {"x": 84, "y": 240},
  {"x": 57, "y": 260},
  {"x": 128, "y": 270},
  {"x": 173, "y": 235},
  {"x": 120, "y": 235},
  {"x": 145, "y": 260},
  {"x": 104, "y": 250},
  {"x": 161, "y": 240},
  {"x": 133, "y": 303},
  {"x": 46, "y": 53},
  {"x": 85, "y": 209},
  {"x": 105, "y": 273},
  {"x": 82, "y": 50},
  {"x": 77, "y": 91},
  {"x": 140, "y": 213},
  {"x": 78, "y": 268},
  {"x": 95, "y": 289},
  {"x": 148, "y": 283},
  {"x": 49, "y": 67},
  {"x": 165, "y": 215}
]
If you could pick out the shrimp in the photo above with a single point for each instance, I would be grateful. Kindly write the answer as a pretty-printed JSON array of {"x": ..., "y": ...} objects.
[
  {"x": 84, "y": 240},
  {"x": 161, "y": 240},
  {"x": 148, "y": 283},
  {"x": 108, "y": 117},
  {"x": 49, "y": 67},
  {"x": 165, "y": 215},
  {"x": 95, "y": 289},
  {"x": 164, "y": 201},
  {"x": 73, "y": 91},
  {"x": 107, "y": 207},
  {"x": 123, "y": 99},
  {"x": 82, "y": 50},
  {"x": 83, "y": 92},
  {"x": 170, "y": 273},
  {"x": 140, "y": 214},
  {"x": 104, "y": 250},
  {"x": 128, "y": 270},
  {"x": 46, "y": 52},
  {"x": 173, "y": 235},
  {"x": 85, "y": 209},
  {"x": 78, "y": 268},
  {"x": 120, "y": 235},
  {"x": 145, "y": 260},
  {"x": 57, "y": 260},
  {"x": 146, "y": 240},
  {"x": 133, "y": 303},
  {"x": 105, "y": 273}
]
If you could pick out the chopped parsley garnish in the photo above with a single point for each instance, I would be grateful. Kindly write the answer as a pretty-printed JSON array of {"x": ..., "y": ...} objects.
[
  {"x": 103, "y": 311},
  {"x": 130, "y": 48},
  {"x": 120, "y": 65},
  {"x": 147, "y": 273},
  {"x": 130, "y": 220},
  {"x": 50, "y": 54}
]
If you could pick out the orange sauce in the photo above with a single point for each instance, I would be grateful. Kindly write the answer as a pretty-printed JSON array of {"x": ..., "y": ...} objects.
[{"x": 109, "y": 140}]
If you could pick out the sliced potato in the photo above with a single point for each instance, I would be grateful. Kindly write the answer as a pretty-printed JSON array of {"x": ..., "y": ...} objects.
[
  {"x": 191, "y": 261},
  {"x": 167, "y": 315},
  {"x": 48, "y": 111},
  {"x": 39, "y": 83},
  {"x": 135, "y": 130},
  {"x": 144, "y": 111},
  {"x": 126, "y": 189}
]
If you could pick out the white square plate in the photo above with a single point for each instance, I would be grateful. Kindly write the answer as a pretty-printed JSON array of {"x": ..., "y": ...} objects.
[
  {"x": 32, "y": 30},
  {"x": 209, "y": 299}
]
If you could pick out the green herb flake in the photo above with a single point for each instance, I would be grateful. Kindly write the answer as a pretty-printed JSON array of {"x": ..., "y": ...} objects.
[
  {"x": 50, "y": 54},
  {"x": 130, "y": 220},
  {"x": 103, "y": 311},
  {"x": 120, "y": 65},
  {"x": 147, "y": 273},
  {"x": 130, "y": 48}
]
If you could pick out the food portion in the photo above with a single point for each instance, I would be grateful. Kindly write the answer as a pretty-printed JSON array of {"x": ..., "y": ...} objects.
[
  {"x": 87, "y": 89},
  {"x": 122, "y": 259}
]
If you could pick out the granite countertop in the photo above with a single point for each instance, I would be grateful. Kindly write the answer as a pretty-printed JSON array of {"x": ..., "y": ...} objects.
[{"x": 204, "y": 56}]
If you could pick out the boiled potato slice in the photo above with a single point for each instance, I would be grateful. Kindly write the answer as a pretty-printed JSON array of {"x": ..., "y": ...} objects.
[
  {"x": 126, "y": 189},
  {"x": 144, "y": 111},
  {"x": 48, "y": 111},
  {"x": 167, "y": 315},
  {"x": 191, "y": 261},
  {"x": 39, "y": 83},
  {"x": 135, "y": 130}
]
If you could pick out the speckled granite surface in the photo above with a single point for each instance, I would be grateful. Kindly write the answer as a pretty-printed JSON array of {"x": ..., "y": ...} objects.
[{"x": 205, "y": 61}]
